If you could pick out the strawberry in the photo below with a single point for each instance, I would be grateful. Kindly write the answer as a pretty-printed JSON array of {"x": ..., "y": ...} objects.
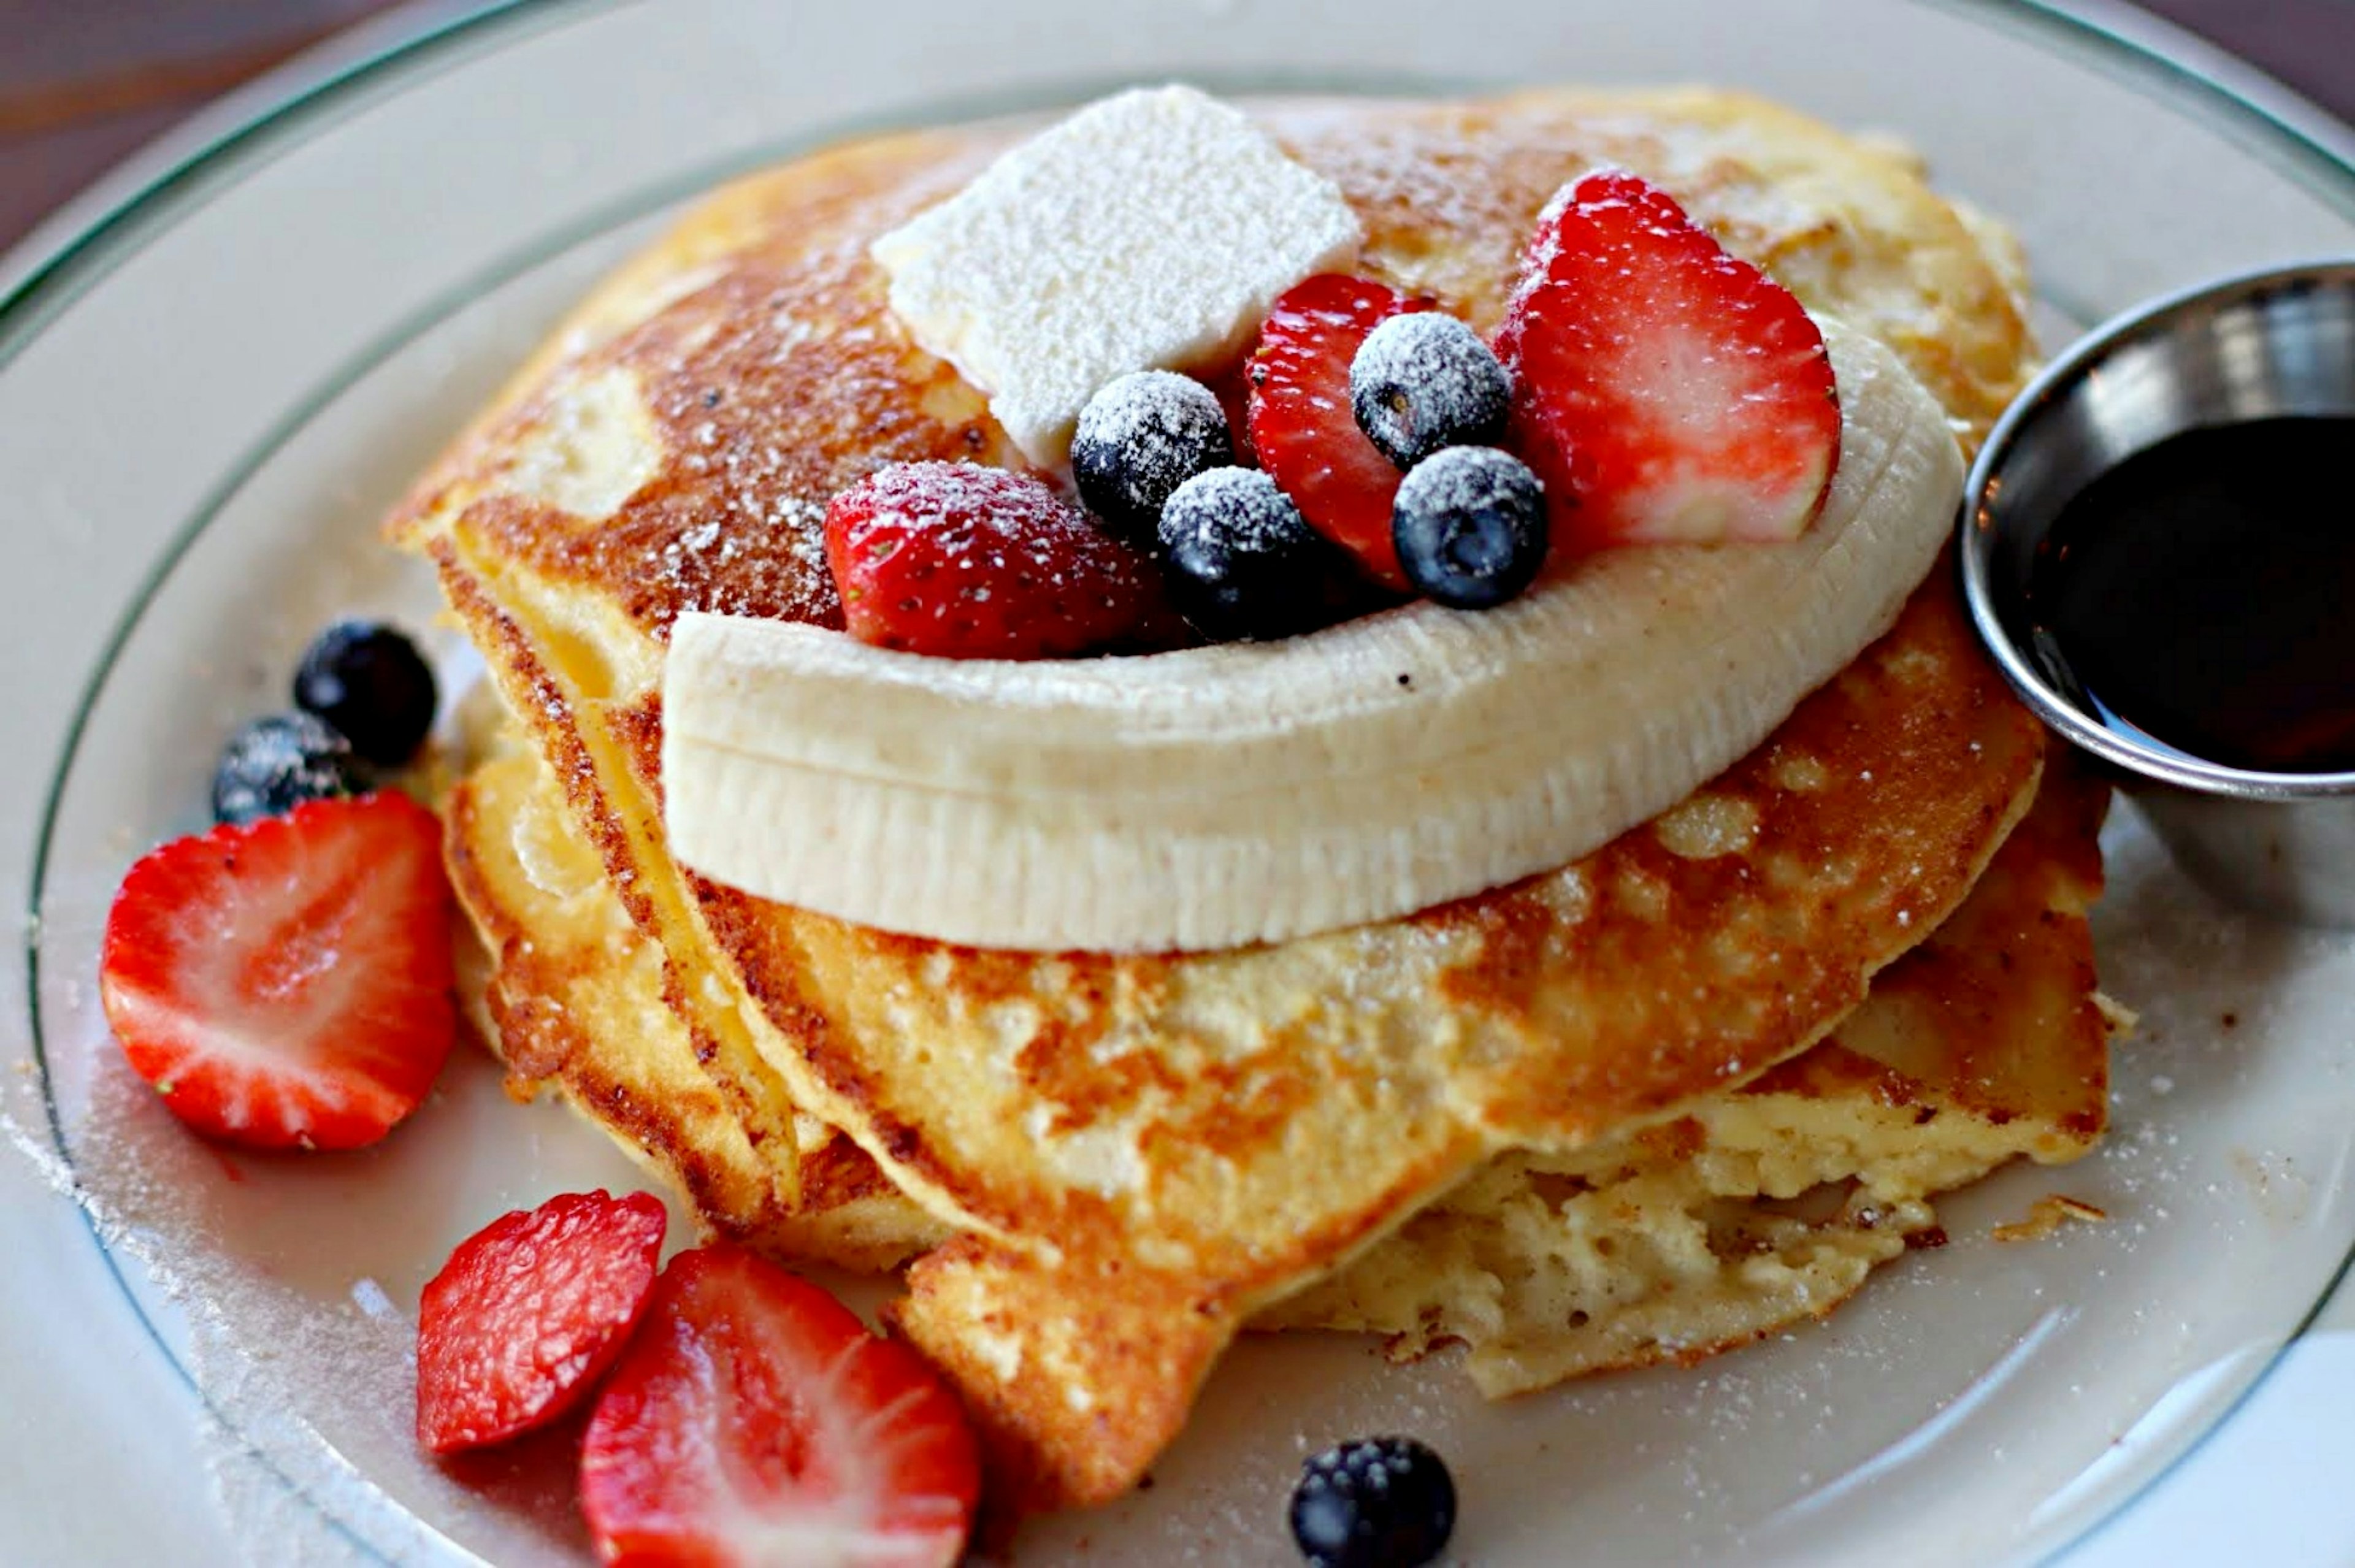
[
  {"x": 286, "y": 984},
  {"x": 1302, "y": 427},
  {"x": 961, "y": 561},
  {"x": 1664, "y": 389},
  {"x": 529, "y": 1313},
  {"x": 755, "y": 1420}
]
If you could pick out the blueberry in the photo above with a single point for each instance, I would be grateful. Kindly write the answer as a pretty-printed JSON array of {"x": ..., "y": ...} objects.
[
  {"x": 1470, "y": 527},
  {"x": 1241, "y": 562},
  {"x": 276, "y": 763},
  {"x": 370, "y": 683},
  {"x": 1424, "y": 381},
  {"x": 1139, "y": 438},
  {"x": 1375, "y": 1502}
]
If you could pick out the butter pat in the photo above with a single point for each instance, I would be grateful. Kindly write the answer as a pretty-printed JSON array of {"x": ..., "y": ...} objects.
[{"x": 1150, "y": 230}]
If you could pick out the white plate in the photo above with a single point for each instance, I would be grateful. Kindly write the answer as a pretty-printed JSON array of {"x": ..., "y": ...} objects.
[{"x": 210, "y": 388}]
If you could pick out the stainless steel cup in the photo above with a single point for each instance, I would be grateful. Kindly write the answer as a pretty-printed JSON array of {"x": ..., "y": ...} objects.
[{"x": 2261, "y": 346}]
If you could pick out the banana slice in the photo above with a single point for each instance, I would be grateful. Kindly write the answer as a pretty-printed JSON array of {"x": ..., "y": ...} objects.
[{"x": 1253, "y": 792}]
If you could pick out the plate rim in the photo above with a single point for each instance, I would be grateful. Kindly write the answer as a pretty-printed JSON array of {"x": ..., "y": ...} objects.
[
  {"x": 74, "y": 249},
  {"x": 41, "y": 272}
]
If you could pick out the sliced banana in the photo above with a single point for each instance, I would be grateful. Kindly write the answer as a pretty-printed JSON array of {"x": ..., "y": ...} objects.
[{"x": 1253, "y": 792}]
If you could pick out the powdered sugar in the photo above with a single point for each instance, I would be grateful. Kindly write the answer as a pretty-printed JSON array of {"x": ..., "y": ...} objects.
[
  {"x": 1139, "y": 438},
  {"x": 1232, "y": 511},
  {"x": 1471, "y": 527},
  {"x": 2223, "y": 1217},
  {"x": 1425, "y": 380},
  {"x": 305, "y": 1368},
  {"x": 1464, "y": 479},
  {"x": 279, "y": 759},
  {"x": 1151, "y": 228},
  {"x": 978, "y": 522}
]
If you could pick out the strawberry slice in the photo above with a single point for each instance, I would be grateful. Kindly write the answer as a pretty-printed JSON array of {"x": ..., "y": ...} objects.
[
  {"x": 529, "y": 1313},
  {"x": 287, "y": 984},
  {"x": 1302, "y": 427},
  {"x": 755, "y": 1420},
  {"x": 961, "y": 561},
  {"x": 1665, "y": 391}
]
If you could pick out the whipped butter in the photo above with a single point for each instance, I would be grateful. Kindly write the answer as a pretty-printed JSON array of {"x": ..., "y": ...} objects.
[{"x": 1150, "y": 230}]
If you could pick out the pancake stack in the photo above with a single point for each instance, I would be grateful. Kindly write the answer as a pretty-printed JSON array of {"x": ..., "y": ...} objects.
[{"x": 1648, "y": 1106}]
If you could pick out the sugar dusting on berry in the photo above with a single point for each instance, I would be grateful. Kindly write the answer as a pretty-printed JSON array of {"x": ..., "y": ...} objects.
[
  {"x": 1463, "y": 478},
  {"x": 1246, "y": 512},
  {"x": 984, "y": 518},
  {"x": 959, "y": 561},
  {"x": 1141, "y": 437},
  {"x": 279, "y": 759},
  {"x": 985, "y": 508},
  {"x": 1160, "y": 421},
  {"x": 1444, "y": 379}
]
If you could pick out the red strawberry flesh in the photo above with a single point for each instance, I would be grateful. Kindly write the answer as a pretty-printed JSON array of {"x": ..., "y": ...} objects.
[
  {"x": 755, "y": 1420},
  {"x": 1665, "y": 390},
  {"x": 1304, "y": 432},
  {"x": 961, "y": 561},
  {"x": 530, "y": 1312},
  {"x": 287, "y": 984}
]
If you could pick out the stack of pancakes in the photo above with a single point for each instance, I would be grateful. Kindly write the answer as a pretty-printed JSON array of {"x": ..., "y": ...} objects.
[{"x": 1648, "y": 1106}]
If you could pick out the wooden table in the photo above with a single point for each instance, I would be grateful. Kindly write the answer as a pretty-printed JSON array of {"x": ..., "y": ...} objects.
[{"x": 83, "y": 82}]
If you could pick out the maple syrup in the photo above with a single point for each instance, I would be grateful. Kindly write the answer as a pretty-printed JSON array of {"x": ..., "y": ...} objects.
[{"x": 2202, "y": 594}]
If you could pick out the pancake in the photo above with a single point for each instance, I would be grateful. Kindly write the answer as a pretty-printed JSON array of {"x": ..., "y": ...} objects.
[
  {"x": 1753, "y": 1210},
  {"x": 1756, "y": 1208},
  {"x": 1142, "y": 1153},
  {"x": 1290, "y": 1104},
  {"x": 570, "y": 994}
]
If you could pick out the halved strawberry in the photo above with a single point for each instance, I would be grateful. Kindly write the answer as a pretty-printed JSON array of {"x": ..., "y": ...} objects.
[
  {"x": 962, "y": 562},
  {"x": 1664, "y": 389},
  {"x": 287, "y": 984},
  {"x": 754, "y": 1420},
  {"x": 1302, "y": 431},
  {"x": 530, "y": 1312}
]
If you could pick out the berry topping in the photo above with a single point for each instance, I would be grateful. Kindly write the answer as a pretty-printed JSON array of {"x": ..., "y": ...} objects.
[
  {"x": 1664, "y": 389},
  {"x": 369, "y": 682},
  {"x": 753, "y": 1419},
  {"x": 529, "y": 1313},
  {"x": 1425, "y": 381},
  {"x": 1376, "y": 1502},
  {"x": 1303, "y": 430},
  {"x": 1139, "y": 438},
  {"x": 961, "y": 561},
  {"x": 276, "y": 763},
  {"x": 1241, "y": 562},
  {"x": 286, "y": 984},
  {"x": 1470, "y": 524}
]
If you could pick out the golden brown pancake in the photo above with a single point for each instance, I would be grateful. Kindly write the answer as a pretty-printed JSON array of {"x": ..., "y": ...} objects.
[
  {"x": 1143, "y": 1152},
  {"x": 1754, "y": 1209},
  {"x": 571, "y": 997},
  {"x": 1323, "y": 1090}
]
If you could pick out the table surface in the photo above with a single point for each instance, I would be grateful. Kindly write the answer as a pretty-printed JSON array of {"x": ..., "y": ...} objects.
[{"x": 84, "y": 82}]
